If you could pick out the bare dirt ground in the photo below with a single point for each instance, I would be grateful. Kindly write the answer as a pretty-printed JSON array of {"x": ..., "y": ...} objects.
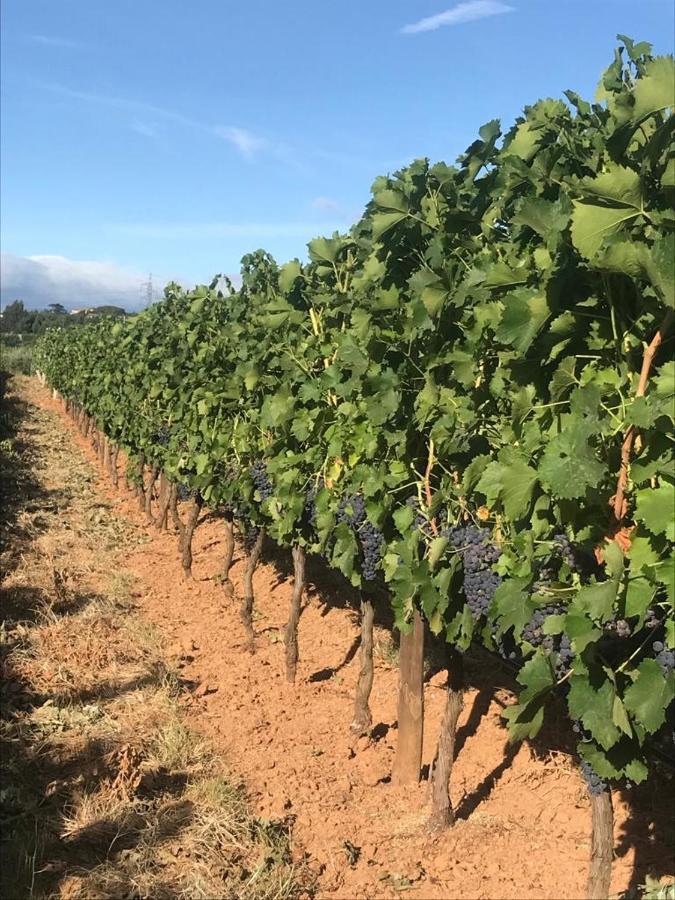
[{"x": 523, "y": 828}]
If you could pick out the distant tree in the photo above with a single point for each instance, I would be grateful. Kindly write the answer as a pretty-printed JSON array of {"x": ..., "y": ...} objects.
[
  {"x": 58, "y": 309},
  {"x": 14, "y": 317}
]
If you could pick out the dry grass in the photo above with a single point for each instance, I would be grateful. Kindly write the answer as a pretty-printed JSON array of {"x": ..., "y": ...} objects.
[{"x": 104, "y": 792}]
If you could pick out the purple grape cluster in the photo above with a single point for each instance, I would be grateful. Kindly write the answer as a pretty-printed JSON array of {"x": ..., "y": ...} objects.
[
  {"x": 185, "y": 493},
  {"x": 352, "y": 512},
  {"x": 664, "y": 657},
  {"x": 250, "y": 536},
  {"x": 478, "y": 556},
  {"x": 546, "y": 575},
  {"x": 594, "y": 783},
  {"x": 161, "y": 437},
  {"x": 372, "y": 547},
  {"x": 261, "y": 481},
  {"x": 533, "y": 632},
  {"x": 579, "y": 561}
]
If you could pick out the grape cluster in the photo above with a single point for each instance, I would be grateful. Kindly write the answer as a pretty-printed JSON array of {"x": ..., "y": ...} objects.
[
  {"x": 230, "y": 508},
  {"x": 250, "y": 536},
  {"x": 505, "y": 644},
  {"x": 421, "y": 522},
  {"x": 261, "y": 481},
  {"x": 183, "y": 492},
  {"x": 478, "y": 557},
  {"x": 618, "y": 627},
  {"x": 352, "y": 512},
  {"x": 594, "y": 783},
  {"x": 161, "y": 436},
  {"x": 579, "y": 561},
  {"x": 558, "y": 643},
  {"x": 664, "y": 657},
  {"x": 372, "y": 547},
  {"x": 546, "y": 575}
]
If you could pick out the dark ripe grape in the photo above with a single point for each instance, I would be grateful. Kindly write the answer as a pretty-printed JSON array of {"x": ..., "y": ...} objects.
[
  {"x": 352, "y": 510},
  {"x": 653, "y": 619},
  {"x": 478, "y": 556},
  {"x": 553, "y": 643},
  {"x": 184, "y": 493},
  {"x": 162, "y": 436},
  {"x": 250, "y": 536},
  {"x": 594, "y": 783},
  {"x": 580, "y": 561},
  {"x": 230, "y": 508},
  {"x": 261, "y": 481},
  {"x": 664, "y": 657},
  {"x": 372, "y": 547},
  {"x": 618, "y": 627}
]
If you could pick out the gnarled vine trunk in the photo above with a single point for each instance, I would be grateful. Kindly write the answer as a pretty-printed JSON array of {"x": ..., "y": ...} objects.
[
  {"x": 363, "y": 717},
  {"x": 154, "y": 472},
  {"x": 114, "y": 474},
  {"x": 175, "y": 515},
  {"x": 442, "y": 813},
  {"x": 189, "y": 530},
  {"x": 164, "y": 501},
  {"x": 246, "y": 610},
  {"x": 141, "y": 482},
  {"x": 291, "y": 635},
  {"x": 602, "y": 846},
  {"x": 228, "y": 556},
  {"x": 408, "y": 762}
]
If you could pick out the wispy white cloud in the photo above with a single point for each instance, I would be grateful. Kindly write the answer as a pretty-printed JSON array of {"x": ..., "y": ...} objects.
[
  {"x": 463, "y": 12},
  {"x": 247, "y": 143},
  {"x": 47, "y": 40}
]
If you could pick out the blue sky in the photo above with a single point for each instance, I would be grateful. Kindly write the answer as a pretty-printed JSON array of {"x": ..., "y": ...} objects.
[{"x": 172, "y": 137}]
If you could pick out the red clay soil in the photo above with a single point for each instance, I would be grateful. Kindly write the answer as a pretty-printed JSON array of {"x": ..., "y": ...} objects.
[{"x": 523, "y": 828}]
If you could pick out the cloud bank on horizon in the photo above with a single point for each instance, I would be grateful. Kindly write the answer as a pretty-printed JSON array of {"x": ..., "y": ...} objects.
[
  {"x": 457, "y": 15},
  {"x": 41, "y": 280}
]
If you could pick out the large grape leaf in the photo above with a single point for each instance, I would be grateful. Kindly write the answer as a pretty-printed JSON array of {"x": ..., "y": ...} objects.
[
  {"x": 655, "y": 508},
  {"x": 511, "y": 481},
  {"x": 655, "y": 89},
  {"x": 593, "y": 704},
  {"x": 525, "y": 312},
  {"x": 648, "y": 697},
  {"x": 610, "y": 199},
  {"x": 568, "y": 467}
]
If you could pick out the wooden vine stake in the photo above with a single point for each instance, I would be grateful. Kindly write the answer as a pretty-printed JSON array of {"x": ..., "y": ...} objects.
[
  {"x": 190, "y": 525},
  {"x": 291, "y": 635},
  {"x": 442, "y": 813},
  {"x": 408, "y": 760},
  {"x": 363, "y": 717},
  {"x": 246, "y": 611},
  {"x": 602, "y": 846}
]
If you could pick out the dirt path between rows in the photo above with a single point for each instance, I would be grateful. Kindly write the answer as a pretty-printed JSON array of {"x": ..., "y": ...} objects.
[{"x": 523, "y": 828}]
